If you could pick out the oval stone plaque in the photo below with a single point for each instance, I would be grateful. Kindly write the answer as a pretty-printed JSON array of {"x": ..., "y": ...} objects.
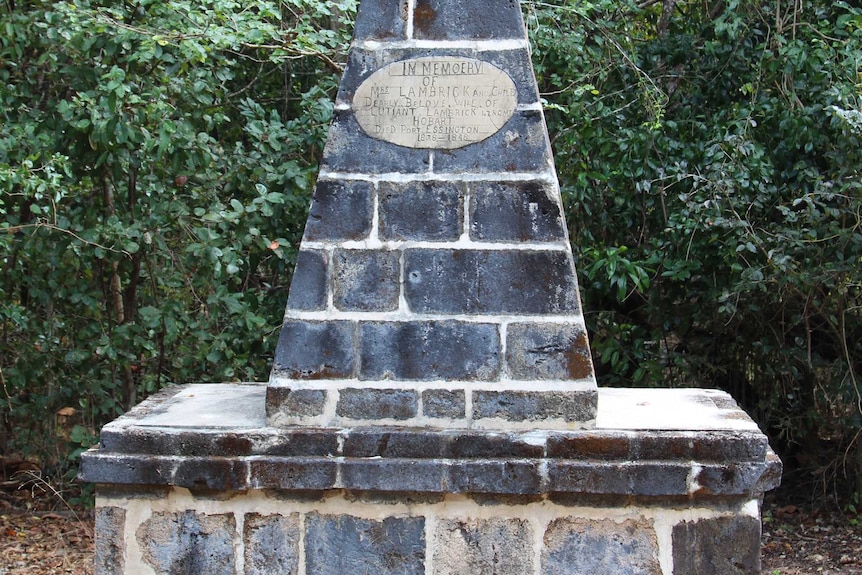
[{"x": 441, "y": 102}]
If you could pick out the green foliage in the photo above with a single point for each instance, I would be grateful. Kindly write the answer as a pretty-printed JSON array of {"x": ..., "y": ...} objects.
[
  {"x": 156, "y": 162},
  {"x": 710, "y": 157}
]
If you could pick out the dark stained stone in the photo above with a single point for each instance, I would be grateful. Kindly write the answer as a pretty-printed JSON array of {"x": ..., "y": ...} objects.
[
  {"x": 315, "y": 350},
  {"x": 475, "y": 20},
  {"x": 421, "y": 211},
  {"x": 366, "y": 280},
  {"x": 428, "y": 350},
  {"x": 340, "y": 210},
  {"x": 719, "y": 546},
  {"x": 308, "y": 284},
  {"x": 490, "y": 281},
  {"x": 363, "y": 403},
  {"x": 516, "y": 211}
]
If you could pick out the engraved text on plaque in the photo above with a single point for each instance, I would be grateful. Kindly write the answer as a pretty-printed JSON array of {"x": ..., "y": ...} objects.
[{"x": 442, "y": 102}]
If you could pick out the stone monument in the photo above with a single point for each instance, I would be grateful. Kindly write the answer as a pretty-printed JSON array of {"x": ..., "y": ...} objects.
[{"x": 432, "y": 407}]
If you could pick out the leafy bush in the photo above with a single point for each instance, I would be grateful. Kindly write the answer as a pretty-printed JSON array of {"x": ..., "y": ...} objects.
[
  {"x": 156, "y": 162},
  {"x": 710, "y": 156}
]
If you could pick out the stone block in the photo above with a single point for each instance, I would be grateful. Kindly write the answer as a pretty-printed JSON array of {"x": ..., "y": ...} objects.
[
  {"x": 366, "y": 280},
  {"x": 340, "y": 544},
  {"x": 718, "y": 546},
  {"x": 604, "y": 445},
  {"x": 340, "y": 210},
  {"x": 497, "y": 546},
  {"x": 295, "y": 473},
  {"x": 299, "y": 441},
  {"x": 349, "y": 149},
  {"x": 490, "y": 281},
  {"x": 394, "y": 443},
  {"x": 489, "y": 476},
  {"x": 516, "y": 211},
  {"x": 420, "y": 211},
  {"x": 543, "y": 351},
  {"x": 489, "y": 444},
  {"x": 381, "y": 20},
  {"x": 444, "y": 403},
  {"x": 364, "y": 403},
  {"x": 110, "y": 541},
  {"x": 477, "y": 20},
  {"x": 589, "y": 477},
  {"x": 188, "y": 542},
  {"x": 535, "y": 405},
  {"x": 732, "y": 478},
  {"x": 420, "y": 476},
  {"x": 295, "y": 402},
  {"x": 315, "y": 350},
  {"x": 271, "y": 544},
  {"x": 574, "y": 546},
  {"x": 220, "y": 473},
  {"x": 429, "y": 350},
  {"x": 521, "y": 145},
  {"x": 309, "y": 281}
]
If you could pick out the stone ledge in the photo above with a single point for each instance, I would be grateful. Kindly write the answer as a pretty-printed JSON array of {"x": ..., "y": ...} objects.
[
  {"x": 185, "y": 437},
  {"x": 508, "y": 476}
]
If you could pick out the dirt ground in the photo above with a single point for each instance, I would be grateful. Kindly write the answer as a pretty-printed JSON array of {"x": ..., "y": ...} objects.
[{"x": 41, "y": 535}]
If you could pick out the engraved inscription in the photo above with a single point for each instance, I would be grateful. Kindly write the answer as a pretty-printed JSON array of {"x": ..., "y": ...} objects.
[{"x": 442, "y": 102}]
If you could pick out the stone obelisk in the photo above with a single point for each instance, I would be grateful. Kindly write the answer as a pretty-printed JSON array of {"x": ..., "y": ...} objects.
[{"x": 435, "y": 284}]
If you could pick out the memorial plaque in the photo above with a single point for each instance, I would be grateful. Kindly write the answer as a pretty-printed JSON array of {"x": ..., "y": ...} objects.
[{"x": 442, "y": 102}]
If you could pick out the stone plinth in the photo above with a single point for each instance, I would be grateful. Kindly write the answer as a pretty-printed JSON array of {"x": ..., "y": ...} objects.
[
  {"x": 668, "y": 482},
  {"x": 435, "y": 284}
]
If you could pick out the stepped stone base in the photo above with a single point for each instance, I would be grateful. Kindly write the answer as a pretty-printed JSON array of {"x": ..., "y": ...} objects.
[{"x": 668, "y": 482}]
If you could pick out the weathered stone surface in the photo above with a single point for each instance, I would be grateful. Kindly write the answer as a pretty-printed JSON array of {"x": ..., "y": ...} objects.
[
  {"x": 380, "y": 20},
  {"x": 730, "y": 478},
  {"x": 702, "y": 446},
  {"x": 492, "y": 445},
  {"x": 358, "y": 403},
  {"x": 428, "y": 350},
  {"x": 295, "y": 402},
  {"x": 340, "y": 210},
  {"x": 394, "y": 443},
  {"x": 574, "y": 546},
  {"x": 520, "y": 146},
  {"x": 719, "y": 546},
  {"x": 477, "y": 20},
  {"x": 547, "y": 351},
  {"x": 271, "y": 544},
  {"x": 535, "y": 405},
  {"x": 421, "y": 211},
  {"x": 315, "y": 350},
  {"x": 349, "y": 149},
  {"x": 394, "y": 475},
  {"x": 490, "y": 281},
  {"x": 209, "y": 473},
  {"x": 340, "y": 544},
  {"x": 516, "y": 211},
  {"x": 444, "y": 403},
  {"x": 177, "y": 543},
  {"x": 490, "y": 476},
  {"x": 308, "y": 285},
  {"x": 292, "y": 473},
  {"x": 498, "y": 546},
  {"x": 110, "y": 541},
  {"x": 365, "y": 280}
]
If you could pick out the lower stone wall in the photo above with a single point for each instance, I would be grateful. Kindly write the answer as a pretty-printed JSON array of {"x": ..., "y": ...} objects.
[{"x": 146, "y": 531}]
